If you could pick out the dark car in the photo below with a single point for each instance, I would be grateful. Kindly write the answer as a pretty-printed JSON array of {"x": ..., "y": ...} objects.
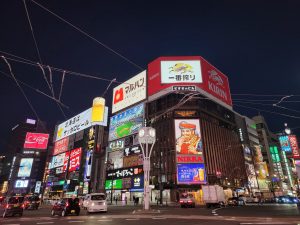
[
  {"x": 232, "y": 201},
  {"x": 31, "y": 202},
  {"x": 287, "y": 200},
  {"x": 13, "y": 206},
  {"x": 187, "y": 201},
  {"x": 66, "y": 207}
]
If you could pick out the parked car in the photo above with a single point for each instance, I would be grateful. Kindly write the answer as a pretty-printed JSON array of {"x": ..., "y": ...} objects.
[
  {"x": 236, "y": 201},
  {"x": 95, "y": 202},
  {"x": 252, "y": 199},
  {"x": 66, "y": 206},
  {"x": 13, "y": 206},
  {"x": 187, "y": 200},
  {"x": 287, "y": 200},
  {"x": 31, "y": 202}
]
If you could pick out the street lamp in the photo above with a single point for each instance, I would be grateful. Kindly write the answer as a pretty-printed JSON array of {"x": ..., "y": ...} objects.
[
  {"x": 287, "y": 130},
  {"x": 146, "y": 135}
]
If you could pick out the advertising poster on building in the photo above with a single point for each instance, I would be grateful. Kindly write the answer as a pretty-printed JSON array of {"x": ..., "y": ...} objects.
[
  {"x": 115, "y": 159},
  {"x": 75, "y": 157},
  {"x": 130, "y": 92},
  {"x": 137, "y": 182},
  {"x": 181, "y": 72},
  {"x": 126, "y": 123},
  {"x": 57, "y": 161},
  {"x": 284, "y": 143},
  {"x": 133, "y": 150},
  {"x": 21, "y": 183},
  {"x": 79, "y": 123},
  {"x": 187, "y": 73},
  {"x": 191, "y": 174},
  {"x": 188, "y": 137},
  {"x": 133, "y": 160},
  {"x": 126, "y": 172},
  {"x": 61, "y": 146},
  {"x": 117, "y": 184},
  {"x": 294, "y": 146},
  {"x": 36, "y": 140},
  {"x": 126, "y": 182},
  {"x": 25, "y": 167},
  {"x": 88, "y": 165},
  {"x": 116, "y": 145}
]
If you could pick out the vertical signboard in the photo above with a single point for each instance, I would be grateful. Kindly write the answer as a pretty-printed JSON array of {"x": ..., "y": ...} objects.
[
  {"x": 294, "y": 146},
  {"x": 130, "y": 92},
  {"x": 25, "y": 167},
  {"x": 75, "y": 157},
  {"x": 284, "y": 143}
]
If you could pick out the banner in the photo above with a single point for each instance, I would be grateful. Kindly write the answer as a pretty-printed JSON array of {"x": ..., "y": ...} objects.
[
  {"x": 25, "y": 167},
  {"x": 36, "y": 140},
  {"x": 191, "y": 174}
]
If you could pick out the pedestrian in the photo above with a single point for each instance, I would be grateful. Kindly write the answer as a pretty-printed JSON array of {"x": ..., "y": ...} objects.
[
  {"x": 116, "y": 198},
  {"x": 125, "y": 200},
  {"x": 133, "y": 200},
  {"x": 137, "y": 200},
  {"x": 156, "y": 199}
]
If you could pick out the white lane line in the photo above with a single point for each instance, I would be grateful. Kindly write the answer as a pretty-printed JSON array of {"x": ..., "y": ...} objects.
[
  {"x": 133, "y": 219},
  {"x": 104, "y": 220},
  {"x": 11, "y": 224},
  {"x": 159, "y": 218},
  {"x": 268, "y": 223},
  {"x": 76, "y": 221},
  {"x": 44, "y": 222},
  {"x": 216, "y": 214}
]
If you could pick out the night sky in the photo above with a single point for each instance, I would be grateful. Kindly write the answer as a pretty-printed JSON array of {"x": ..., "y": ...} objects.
[{"x": 255, "y": 43}]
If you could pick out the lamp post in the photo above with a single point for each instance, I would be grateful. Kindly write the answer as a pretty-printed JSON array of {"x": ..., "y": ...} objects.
[{"x": 147, "y": 135}]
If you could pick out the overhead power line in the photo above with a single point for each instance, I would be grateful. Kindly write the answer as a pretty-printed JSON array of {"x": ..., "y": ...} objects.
[
  {"x": 35, "y": 89},
  {"x": 21, "y": 89},
  {"x": 88, "y": 35},
  {"x": 33, "y": 36},
  {"x": 262, "y": 110}
]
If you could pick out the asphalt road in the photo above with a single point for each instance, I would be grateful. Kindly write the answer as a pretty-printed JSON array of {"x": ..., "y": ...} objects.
[{"x": 133, "y": 215}]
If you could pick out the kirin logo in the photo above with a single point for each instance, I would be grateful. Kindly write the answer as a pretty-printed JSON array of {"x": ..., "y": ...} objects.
[
  {"x": 215, "y": 77},
  {"x": 181, "y": 68}
]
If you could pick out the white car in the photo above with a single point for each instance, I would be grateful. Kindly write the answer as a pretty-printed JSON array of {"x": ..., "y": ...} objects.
[{"x": 95, "y": 202}]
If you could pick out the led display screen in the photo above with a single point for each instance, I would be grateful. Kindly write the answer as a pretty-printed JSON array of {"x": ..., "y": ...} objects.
[
  {"x": 25, "y": 167},
  {"x": 21, "y": 183},
  {"x": 75, "y": 157},
  {"x": 191, "y": 174},
  {"x": 126, "y": 123},
  {"x": 285, "y": 144},
  {"x": 36, "y": 140}
]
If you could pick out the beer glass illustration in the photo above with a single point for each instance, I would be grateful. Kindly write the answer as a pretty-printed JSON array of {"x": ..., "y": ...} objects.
[
  {"x": 201, "y": 174},
  {"x": 98, "y": 109}
]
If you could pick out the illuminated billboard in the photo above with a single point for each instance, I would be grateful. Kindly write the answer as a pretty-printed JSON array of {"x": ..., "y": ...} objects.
[
  {"x": 294, "y": 146},
  {"x": 284, "y": 143},
  {"x": 75, "y": 157},
  {"x": 25, "y": 167},
  {"x": 181, "y": 72},
  {"x": 79, "y": 122},
  {"x": 130, "y": 92},
  {"x": 126, "y": 123},
  {"x": 21, "y": 184},
  {"x": 117, "y": 184},
  {"x": 36, "y": 140},
  {"x": 188, "y": 137},
  {"x": 61, "y": 146},
  {"x": 187, "y": 73},
  {"x": 57, "y": 161},
  {"x": 115, "y": 159},
  {"x": 191, "y": 173},
  {"x": 133, "y": 160}
]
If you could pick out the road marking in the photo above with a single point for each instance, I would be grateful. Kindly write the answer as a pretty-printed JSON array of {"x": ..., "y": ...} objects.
[
  {"x": 159, "y": 218},
  {"x": 216, "y": 214},
  {"x": 267, "y": 223},
  {"x": 44, "y": 222},
  {"x": 104, "y": 220},
  {"x": 133, "y": 219},
  {"x": 11, "y": 224},
  {"x": 76, "y": 221}
]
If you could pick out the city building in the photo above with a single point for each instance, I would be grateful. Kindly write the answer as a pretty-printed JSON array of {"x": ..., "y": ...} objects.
[
  {"x": 188, "y": 102},
  {"x": 76, "y": 165}
]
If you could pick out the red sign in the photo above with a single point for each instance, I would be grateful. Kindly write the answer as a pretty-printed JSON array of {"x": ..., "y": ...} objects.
[
  {"x": 189, "y": 159},
  {"x": 66, "y": 159},
  {"x": 36, "y": 140},
  {"x": 61, "y": 146},
  {"x": 294, "y": 146},
  {"x": 75, "y": 157},
  {"x": 119, "y": 95},
  {"x": 214, "y": 83}
]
